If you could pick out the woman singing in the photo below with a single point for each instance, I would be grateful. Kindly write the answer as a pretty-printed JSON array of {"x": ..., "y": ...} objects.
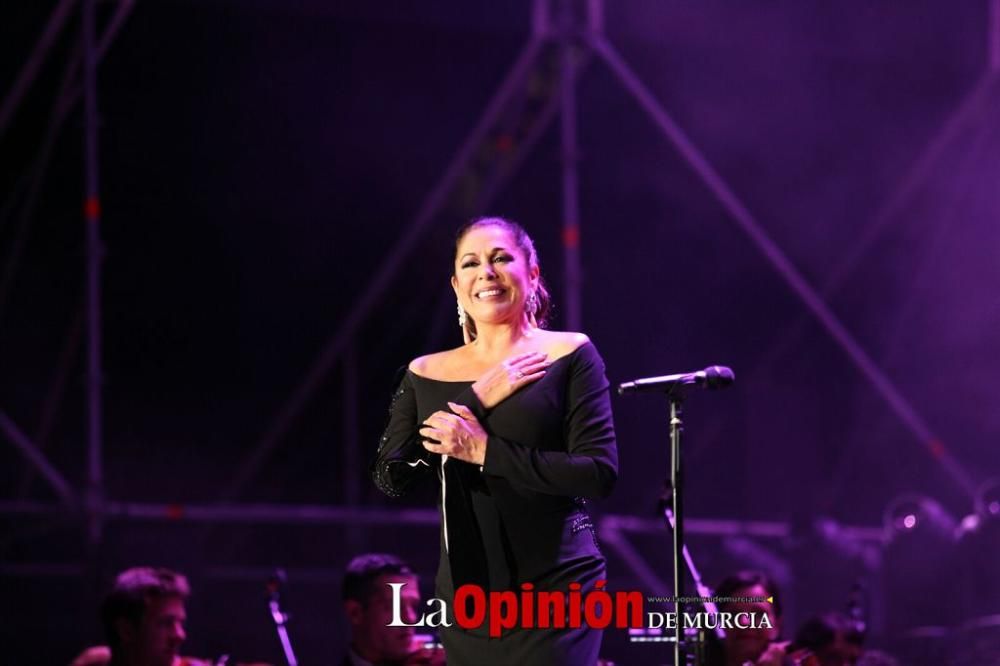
[{"x": 517, "y": 425}]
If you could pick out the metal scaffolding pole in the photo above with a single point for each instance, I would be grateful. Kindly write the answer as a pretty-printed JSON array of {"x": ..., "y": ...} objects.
[
  {"x": 69, "y": 93},
  {"x": 93, "y": 49},
  {"x": 92, "y": 215},
  {"x": 66, "y": 99},
  {"x": 353, "y": 464},
  {"x": 994, "y": 36},
  {"x": 352, "y": 429},
  {"x": 570, "y": 176}
]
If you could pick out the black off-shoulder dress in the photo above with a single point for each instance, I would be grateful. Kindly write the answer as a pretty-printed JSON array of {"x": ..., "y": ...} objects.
[{"x": 522, "y": 517}]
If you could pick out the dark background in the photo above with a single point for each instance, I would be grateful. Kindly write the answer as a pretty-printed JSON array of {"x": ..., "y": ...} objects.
[{"x": 259, "y": 159}]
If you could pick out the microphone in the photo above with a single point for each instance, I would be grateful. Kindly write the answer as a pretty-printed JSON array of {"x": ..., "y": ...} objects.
[{"x": 713, "y": 377}]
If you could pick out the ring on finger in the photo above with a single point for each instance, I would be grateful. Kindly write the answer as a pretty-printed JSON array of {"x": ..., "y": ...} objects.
[{"x": 520, "y": 375}]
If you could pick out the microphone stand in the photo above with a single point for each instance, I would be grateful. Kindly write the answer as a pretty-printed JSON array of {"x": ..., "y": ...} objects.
[
  {"x": 676, "y": 397},
  {"x": 699, "y": 585},
  {"x": 280, "y": 617},
  {"x": 674, "y": 387},
  {"x": 673, "y": 513}
]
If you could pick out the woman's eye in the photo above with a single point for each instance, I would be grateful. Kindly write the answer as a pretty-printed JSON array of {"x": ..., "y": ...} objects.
[
  {"x": 469, "y": 264},
  {"x": 503, "y": 257}
]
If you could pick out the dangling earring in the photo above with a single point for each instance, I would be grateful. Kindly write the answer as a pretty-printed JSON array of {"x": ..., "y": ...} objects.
[
  {"x": 461, "y": 316},
  {"x": 532, "y": 304}
]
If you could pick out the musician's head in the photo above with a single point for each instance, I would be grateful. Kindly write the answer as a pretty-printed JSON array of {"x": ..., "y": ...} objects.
[
  {"x": 834, "y": 638},
  {"x": 749, "y": 644},
  {"x": 144, "y": 616},
  {"x": 368, "y": 603}
]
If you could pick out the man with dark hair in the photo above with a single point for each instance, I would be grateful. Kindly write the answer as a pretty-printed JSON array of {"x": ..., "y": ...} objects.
[
  {"x": 368, "y": 604},
  {"x": 757, "y": 594},
  {"x": 143, "y": 617},
  {"x": 834, "y": 638}
]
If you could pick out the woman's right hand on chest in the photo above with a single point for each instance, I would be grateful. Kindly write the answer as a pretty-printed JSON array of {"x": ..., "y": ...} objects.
[{"x": 501, "y": 381}]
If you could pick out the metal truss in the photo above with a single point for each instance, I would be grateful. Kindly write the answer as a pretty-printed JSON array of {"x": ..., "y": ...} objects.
[{"x": 574, "y": 30}]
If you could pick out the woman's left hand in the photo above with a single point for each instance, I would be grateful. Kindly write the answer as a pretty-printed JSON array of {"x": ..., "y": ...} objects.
[{"x": 459, "y": 435}]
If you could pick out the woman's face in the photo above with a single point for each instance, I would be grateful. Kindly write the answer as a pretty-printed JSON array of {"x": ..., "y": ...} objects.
[{"x": 492, "y": 278}]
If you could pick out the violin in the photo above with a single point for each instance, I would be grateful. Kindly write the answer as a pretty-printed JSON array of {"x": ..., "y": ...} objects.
[
  {"x": 785, "y": 654},
  {"x": 100, "y": 655},
  {"x": 425, "y": 651},
  {"x": 221, "y": 661},
  {"x": 802, "y": 657}
]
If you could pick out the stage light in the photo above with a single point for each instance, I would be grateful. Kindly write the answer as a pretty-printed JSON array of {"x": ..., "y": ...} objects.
[
  {"x": 988, "y": 500},
  {"x": 919, "y": 563},
  {"x": 918, "y": 513},
  {"x": 979, "y": 543}
]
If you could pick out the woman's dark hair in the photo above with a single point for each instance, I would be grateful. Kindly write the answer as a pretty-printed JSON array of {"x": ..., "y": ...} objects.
[{"x": 524, "y": 243}]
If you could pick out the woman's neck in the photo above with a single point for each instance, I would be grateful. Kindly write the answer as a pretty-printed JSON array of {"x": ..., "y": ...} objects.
[{"x": 494, "y": 341}]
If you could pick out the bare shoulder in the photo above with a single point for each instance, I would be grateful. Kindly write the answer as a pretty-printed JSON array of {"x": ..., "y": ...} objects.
[
  {"x": 438, "y": 364},
  {"x": 561, "y": 343}
]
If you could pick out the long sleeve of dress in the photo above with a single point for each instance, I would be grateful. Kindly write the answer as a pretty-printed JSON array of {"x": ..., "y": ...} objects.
[
  {"x": 401, "y": 459},
  {"x": 588, "y": 467}
]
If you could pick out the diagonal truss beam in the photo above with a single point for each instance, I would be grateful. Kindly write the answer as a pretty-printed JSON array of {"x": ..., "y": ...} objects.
[
  {"x": 34, "y": 63},
  {"x": 510, "y": 166},
  {"x": 34, "y": 456},
  {"x": 966, "y": 112},
  {"x": 781, "y": 264},
  {"x": 431, "y": 206}
]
